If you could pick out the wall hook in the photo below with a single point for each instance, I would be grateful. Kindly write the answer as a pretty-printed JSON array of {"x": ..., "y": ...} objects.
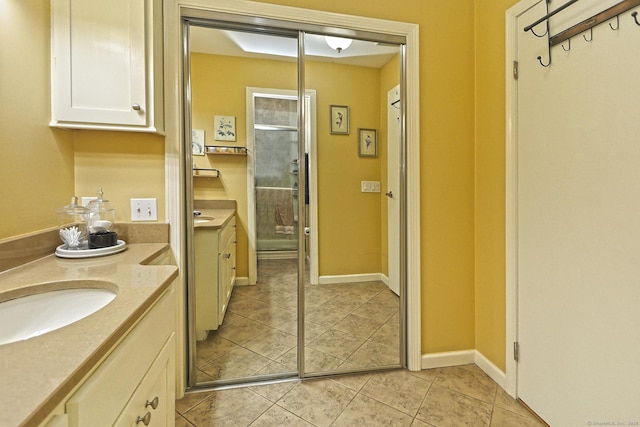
[
  {"x": 544, "y": 65},
  {"x": 617, "y": 24},
  {"x": 540, "y": 35},
  {"x": 590, "y": 38},
  {"x": 568, "y": 48},
  {"x": 635, "y": 17}
]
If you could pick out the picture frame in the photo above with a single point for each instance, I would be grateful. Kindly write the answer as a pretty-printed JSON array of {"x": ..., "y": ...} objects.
[
  {"x": 367, "y": 142},
  {"x": 224, "y": 128},
  {"x": 197, "y": 142},
  {"x": 339, "y": 115}
]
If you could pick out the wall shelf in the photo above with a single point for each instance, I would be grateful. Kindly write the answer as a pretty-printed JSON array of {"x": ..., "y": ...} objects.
[
  {"x": 225, "y": 150},
  {"x": 208, "y": 173}
]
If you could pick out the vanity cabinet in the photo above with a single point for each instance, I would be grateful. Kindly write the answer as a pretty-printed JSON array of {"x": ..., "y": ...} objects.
[
  {"x": 215, "y": 273},
  {"x": 135, "y": 385},
  {"x": 106, "y": 65}
]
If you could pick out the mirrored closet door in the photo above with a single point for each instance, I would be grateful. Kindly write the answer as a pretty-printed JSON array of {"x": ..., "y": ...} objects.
[{"x": 304, "y": 199}]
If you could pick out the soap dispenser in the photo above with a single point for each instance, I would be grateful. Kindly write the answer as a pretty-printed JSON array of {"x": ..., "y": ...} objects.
[
  {"x": 100, "y": 223},
  {"x": 72, "y": 225}
]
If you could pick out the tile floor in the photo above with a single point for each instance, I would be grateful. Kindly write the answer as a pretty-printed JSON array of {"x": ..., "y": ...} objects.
[
  {"x": 454, "y": 396},
  {"x": 347, "y": 326}
]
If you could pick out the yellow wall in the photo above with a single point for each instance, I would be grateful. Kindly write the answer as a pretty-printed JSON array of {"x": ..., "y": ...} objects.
[
  {"x": 461, "y": 69},
  {"x": 349, "y": 220},
  {"x": 36, "y": 163},
  {"x": 490, "y": 185}
]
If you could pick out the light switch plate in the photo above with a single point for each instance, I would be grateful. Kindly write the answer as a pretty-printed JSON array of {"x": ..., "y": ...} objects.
[
  {"x": 370, "y": 186},
  {"x": 144, "y": 209}
]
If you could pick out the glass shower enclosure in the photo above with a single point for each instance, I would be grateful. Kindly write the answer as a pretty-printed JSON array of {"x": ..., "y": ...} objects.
[{"x": 276, "y": 173}]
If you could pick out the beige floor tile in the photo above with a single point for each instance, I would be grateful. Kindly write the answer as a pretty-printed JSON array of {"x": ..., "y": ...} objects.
[
  {"x": 353, "y": 381},
  {"x": 274, "y": 392},
  {"x": 319, "y": 402},
  {"x": 504, "y": 418},
  {"x": 364, "y": 411},
  {"x": 425, "y": 374},
  {"x": 212, "y": 348},
  {"x": 233, "y": 408},
  {"x": 241, "y": 329},
  {"x": 388, "y": 335},
  {"x": 277, "y": 416},
  {"x": 443, "y": 407},
  {"x": 398, "y": 389},
  {"x": 504, "y": 401},
  {"x": 417, "y": 423},
  {"x": 181, "y": 422},
  {"x": 357, "y": 325},
  {"x": 272, "y": 344},
  {"x": 190, "y": 400},
  {"x": 469, "y": 380},
  {"x": 372, "y": 355},
  {"x": 336, "y": 343},
  {"x": 239, "y": 363}
]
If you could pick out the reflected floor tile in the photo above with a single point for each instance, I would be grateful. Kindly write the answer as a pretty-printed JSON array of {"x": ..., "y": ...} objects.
[
  {"x": 372, "y": 355},
  {"x": 240, "y": 329},
  {"x": 357, "y": 325},
  {"x": 271, "y": 344},
  {"x": 213, "y": 347},
  {"x": 238, "y": 363},
  {"x": 336, "y": 343}
]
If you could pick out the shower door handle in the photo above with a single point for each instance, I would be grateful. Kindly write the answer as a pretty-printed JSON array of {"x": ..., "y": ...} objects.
[{"x": 307, "y": 231}]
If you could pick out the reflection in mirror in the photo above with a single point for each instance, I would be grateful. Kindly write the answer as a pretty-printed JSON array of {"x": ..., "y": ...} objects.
[
  {"x": 256, "y": 331},
  {"x": 351, "y": 314},
  {"x": 249, "y": 329}
]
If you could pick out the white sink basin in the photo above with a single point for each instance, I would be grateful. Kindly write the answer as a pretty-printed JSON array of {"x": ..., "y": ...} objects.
[
  {"x": 34, "y": 315},
  {"x": 202, "y": 219}
]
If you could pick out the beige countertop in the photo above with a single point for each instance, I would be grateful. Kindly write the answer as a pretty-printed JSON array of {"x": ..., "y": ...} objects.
[
  {"x": 37, "y": 374},
  {"x": 220, "y": 218}
]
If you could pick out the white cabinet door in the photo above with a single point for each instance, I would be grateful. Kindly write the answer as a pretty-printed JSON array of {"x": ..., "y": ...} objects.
[{"x": 102, "y": 71}]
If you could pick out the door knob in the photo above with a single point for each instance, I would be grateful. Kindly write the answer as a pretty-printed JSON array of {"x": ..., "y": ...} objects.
[{"x": 389, "y": 194}]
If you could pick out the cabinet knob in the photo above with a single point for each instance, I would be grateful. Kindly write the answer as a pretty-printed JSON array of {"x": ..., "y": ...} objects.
[
  {"x": 153, "y": 403},
  {"x": 227, "y": 256},
  {"x": 145, "y": 420},
  {"x": 136, "y": 107}
]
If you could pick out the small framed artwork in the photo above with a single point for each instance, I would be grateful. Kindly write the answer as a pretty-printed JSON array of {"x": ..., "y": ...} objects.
[
  {"x": 339, "y": 115},
  {"x": 197, "y": 142},
  {"x": 367, "y": 142},
  {"x": 225, "y": 128}
]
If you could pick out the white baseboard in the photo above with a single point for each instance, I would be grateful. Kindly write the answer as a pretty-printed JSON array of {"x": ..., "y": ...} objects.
[
  {"x": 465, "y": 357},
  {"x": 241, "y": 281},
  {"x": 277, "y": 254},
  {"x": 351, "y": 278},
  {"x": 448, "y": 358},
  {"x": 490, "y": 369},
  {"x": 384, "y": 279}
]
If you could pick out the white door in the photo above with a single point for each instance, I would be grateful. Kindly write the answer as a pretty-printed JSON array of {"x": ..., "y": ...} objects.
[
  {"x": 393, "y": 187},
  {"x": 578, "y": 225}
]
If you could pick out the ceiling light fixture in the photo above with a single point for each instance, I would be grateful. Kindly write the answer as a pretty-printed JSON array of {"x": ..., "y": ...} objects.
[{"x": 338, "y": 43}]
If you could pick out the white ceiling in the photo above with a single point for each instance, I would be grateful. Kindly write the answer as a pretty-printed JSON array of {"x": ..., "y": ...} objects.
[{"x": 253, "y": 45}]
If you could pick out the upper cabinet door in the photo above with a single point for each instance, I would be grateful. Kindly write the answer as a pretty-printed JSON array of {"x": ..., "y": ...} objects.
[{"x": 106, "y": 65}]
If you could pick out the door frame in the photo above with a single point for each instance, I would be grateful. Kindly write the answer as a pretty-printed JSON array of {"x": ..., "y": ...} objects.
[
  {"x": 511, "y": 191},
  {"x": 175, "y": 151},
  {"x": 311, "y": 136}
]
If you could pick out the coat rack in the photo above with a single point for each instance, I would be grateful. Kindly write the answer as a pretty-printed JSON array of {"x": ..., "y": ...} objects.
[{"x": 582, "y": 27}]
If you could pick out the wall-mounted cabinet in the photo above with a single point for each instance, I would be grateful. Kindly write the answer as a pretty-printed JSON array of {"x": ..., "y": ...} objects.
[{"x": 106, "y": 65}]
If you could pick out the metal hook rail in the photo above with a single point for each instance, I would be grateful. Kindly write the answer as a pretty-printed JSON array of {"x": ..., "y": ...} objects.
[{"x": 588, "y": 24}]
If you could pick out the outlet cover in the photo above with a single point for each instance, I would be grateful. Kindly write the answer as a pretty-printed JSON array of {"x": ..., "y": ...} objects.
[
  {"x": 370, "y": 186},
  {"x": 144, "y": 209}
]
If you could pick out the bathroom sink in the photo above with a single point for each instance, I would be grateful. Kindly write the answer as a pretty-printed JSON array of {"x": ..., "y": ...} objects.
[
  {"x": 34, "y": 315},
  {"x": 202, "y": 219}
]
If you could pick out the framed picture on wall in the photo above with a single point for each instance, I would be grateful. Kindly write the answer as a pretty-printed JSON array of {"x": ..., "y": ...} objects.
[
  {"x": 225, "y": 128},
  {"x": 197, "y": 142},
  {"x": 367, "y": 142},
  {"x": 339, "y": 115}
]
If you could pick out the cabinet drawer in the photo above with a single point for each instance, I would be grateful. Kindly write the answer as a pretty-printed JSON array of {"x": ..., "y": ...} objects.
[
  {"x": 100, "y": 400},
  {"x": 156, "y": 389},
  {"x": 227, "y": 232}
]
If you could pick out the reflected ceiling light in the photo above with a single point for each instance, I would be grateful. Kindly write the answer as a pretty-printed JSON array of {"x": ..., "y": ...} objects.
[{"x": 338, "y": 43}]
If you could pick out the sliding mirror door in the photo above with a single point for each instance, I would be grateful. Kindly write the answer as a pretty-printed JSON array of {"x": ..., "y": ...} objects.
[
  {"x": 249, "y": 333},
  {"x": 352, "y": 316}
]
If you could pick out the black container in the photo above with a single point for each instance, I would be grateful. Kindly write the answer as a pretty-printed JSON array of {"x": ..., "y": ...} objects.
[{"x": 103, "y": 239}]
